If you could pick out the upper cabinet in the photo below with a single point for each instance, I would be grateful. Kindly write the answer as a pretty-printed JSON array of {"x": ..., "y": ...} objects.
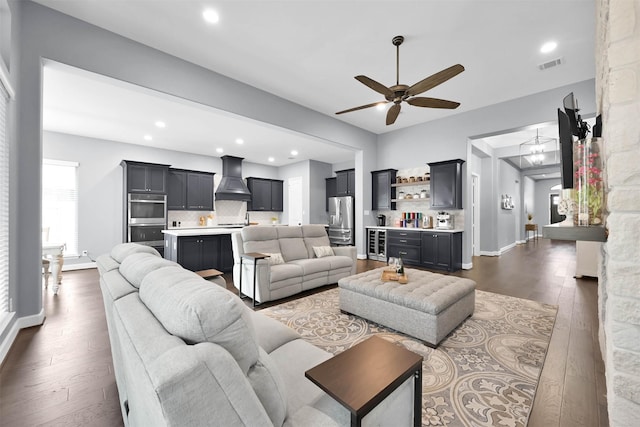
[
  {"x": 382, "y": 193},
  {"x": 143, "y": 177},
  {"x": 200, "y": 191},
  {"x": 266, "y": 194},
  {"x": 346, "y": 182},
  {"x": 190, "y": 190},
  {"x": 446, "y": 184}
]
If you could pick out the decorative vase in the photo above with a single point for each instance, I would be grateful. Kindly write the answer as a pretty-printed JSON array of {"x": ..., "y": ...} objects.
[{"x": 588, "y": 181}]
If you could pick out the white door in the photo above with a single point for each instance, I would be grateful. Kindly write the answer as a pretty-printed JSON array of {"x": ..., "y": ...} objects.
[{"x": 295, "y": 200}]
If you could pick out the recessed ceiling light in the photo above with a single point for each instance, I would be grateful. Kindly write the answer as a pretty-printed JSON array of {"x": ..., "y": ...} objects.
[
  {"x": 294, "y": 152},
  {"x": 161, "y": 124},
  {"x": 548, "y": 47},
  {"x": 239, "y": 141},
  {"x": 211, "y": 16},
  {"x": 219, "y": 150},
  {"x": 148, "y": 137},
  {"x": 271, "y": 159},
  {"x": 380, "y": 106}
]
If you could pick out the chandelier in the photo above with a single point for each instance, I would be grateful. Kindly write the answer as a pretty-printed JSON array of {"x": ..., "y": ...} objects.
[{"x": 538, "y": 151}]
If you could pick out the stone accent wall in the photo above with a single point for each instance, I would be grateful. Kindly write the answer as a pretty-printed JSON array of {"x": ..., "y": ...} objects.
[{"x": 618, "y": 99}]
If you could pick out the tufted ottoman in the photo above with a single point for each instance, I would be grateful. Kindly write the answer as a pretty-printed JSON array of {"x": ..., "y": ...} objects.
[{"x": 429, "y": 307}]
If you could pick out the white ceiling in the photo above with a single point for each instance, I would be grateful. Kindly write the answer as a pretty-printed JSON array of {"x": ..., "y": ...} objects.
[{"x": 309, "y": 51}]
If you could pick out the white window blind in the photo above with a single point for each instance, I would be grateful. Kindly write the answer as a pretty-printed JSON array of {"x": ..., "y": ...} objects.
[
  {"x": 4, "y": 204},
  {"x": 60, "y": 203}
]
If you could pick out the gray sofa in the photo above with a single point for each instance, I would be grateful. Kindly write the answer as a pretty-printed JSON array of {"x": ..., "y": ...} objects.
[
  {"x": 301, "y": 269},
  {"x": 189, "y": 353}
]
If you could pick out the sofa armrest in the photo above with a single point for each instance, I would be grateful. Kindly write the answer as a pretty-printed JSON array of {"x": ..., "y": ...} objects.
[{"x": 349, "y": 251}]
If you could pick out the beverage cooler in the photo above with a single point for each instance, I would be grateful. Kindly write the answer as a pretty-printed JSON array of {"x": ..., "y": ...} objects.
[{"x": 377, "y": 244}]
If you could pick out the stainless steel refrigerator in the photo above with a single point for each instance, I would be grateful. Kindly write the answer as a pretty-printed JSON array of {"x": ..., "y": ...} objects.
[{"x": 341, "y": 227}]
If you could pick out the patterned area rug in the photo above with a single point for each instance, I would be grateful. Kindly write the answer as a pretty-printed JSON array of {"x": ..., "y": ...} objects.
[{"x": 485, "y": 373}]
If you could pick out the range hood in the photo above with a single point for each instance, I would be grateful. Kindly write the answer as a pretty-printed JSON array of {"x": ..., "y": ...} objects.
[{"x": 232, "y": 186}]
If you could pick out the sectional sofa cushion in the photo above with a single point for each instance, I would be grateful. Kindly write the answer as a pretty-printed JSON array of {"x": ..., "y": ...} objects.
[
  {"x": 123, "y": 250},
  {"x": 192, "y": 309},
  {"x": 267, "y": 383},
  {"x": 260, "y": 239},
  {"x": 314, "y": 235},
  {"x": 136, "y": 266}
]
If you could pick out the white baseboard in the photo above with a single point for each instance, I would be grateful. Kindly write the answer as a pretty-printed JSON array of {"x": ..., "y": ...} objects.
[
  {"x": 489, "y": 253},
  {"x": 468, "y": 266},
  {"x": 19, "y": 323},
  {"x": 507, "y": 248},
  {"x": 79, "y": 266},
  {"x": 361, "y": 256}
]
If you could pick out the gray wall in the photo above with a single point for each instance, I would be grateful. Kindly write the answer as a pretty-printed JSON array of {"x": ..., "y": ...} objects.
[
  {"x": 542, "y": 191},
  {"x": 529, "y": 201},
  {"x": 318, "y": 173},
  {"x": 100, "y": 181},
  {"x": 448, "y": 138},
  {"x": 39, "y": 32},
  {"x": 508, "y": 225}
]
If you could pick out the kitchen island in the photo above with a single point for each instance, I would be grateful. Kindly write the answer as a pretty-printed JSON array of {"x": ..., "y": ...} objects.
[{"x": 200, "y": 248}]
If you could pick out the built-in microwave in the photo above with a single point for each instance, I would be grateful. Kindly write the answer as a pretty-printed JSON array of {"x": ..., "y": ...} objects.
[{"x": 147, "y": 209}]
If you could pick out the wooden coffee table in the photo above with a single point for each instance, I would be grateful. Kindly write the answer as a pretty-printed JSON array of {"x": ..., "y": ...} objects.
[{"x": 364, "y": 375}]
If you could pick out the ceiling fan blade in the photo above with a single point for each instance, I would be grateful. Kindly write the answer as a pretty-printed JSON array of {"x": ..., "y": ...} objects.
[
  {"x": 378, "y": 87},
  {"x": 432, "y": 103},
  {"x": 392, "y": 114},
  {"x": 362, "y": 107},
  {"x": 434, "y": 80}
]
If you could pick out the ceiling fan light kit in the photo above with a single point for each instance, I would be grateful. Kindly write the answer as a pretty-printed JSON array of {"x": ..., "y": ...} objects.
[{"x": 399, "y": 93}]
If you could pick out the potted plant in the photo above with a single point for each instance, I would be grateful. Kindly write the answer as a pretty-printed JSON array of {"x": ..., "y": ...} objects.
[
  {"x": 274, "y": 220},
  {"x": 529, "y": 217}
]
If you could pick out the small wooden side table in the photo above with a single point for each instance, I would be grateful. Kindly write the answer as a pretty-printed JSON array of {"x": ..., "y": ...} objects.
[
  {"x": 251, "y": 256},
  {"x": 364, "y": 375},
  {"x": 531, "y": 227}
]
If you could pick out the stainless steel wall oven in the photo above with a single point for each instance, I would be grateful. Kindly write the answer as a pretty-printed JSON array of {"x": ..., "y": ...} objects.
[{"x": 146, "y": 218}]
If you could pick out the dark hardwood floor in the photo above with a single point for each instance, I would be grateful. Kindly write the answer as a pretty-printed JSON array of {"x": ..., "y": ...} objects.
[{"x": 61, "y": 373}]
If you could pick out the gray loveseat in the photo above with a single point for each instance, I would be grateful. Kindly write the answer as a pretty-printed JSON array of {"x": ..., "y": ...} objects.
[
  {"x": 189, "y": 353},
  {"x": 301, "y": 269}
]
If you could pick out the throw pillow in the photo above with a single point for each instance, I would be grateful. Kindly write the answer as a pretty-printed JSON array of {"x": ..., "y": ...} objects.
[
  {"x": 275, "y": 259},
  {"x": 322, "y": 251}
]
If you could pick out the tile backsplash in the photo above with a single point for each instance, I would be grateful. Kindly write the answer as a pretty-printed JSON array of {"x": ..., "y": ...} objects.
[{"x": 226, "y": 212}]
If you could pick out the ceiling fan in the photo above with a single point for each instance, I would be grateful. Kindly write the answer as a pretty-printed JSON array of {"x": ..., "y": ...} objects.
[{"x": 399, "y": 93}]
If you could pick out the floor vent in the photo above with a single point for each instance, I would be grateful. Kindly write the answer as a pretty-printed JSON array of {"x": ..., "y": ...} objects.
[{"x": 551, "y": 64}]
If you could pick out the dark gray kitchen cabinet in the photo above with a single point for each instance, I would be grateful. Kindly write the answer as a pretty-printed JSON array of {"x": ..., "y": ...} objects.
[
  {"x": 277, "y": 196},
  {"x": 331, "y": 190},
  {"x": 177, "y": 190},
  {"x": 442, "y": 251},
  {"x": 446, "y": 184},
  {"x": 381, "y": 191},
  {"x": 225, "y": 262},
  {"x": 346, "y": 182},
  {"x": 405, "y": 245},
  {"x": 266, "y": 194},
  {"x": 190, "y": 190},
  {"x": 200, "y": 252},
  {"x": 143, "y": 177},
  {"x": 199, "y": 191}
]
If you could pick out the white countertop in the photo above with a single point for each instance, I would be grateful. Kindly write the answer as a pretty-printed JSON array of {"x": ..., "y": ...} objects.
[
  {"x": 439, "y": 230},
  {"x": 200, "y": 231}
]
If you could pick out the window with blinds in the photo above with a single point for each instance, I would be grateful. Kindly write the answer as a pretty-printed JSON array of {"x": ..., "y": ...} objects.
[
  {"x": 4, "y": 204},
  {"x": 60, "y": 204}
]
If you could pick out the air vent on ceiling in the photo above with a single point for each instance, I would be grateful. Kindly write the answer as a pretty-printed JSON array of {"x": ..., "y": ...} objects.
[{"x": 550, "y": 64}]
